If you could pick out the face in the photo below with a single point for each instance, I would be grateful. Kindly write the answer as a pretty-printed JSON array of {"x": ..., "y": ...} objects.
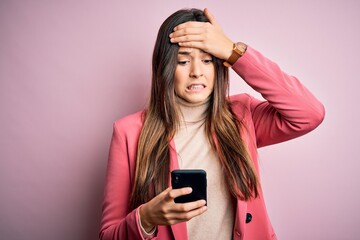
[{"x": 194, "y": 75}]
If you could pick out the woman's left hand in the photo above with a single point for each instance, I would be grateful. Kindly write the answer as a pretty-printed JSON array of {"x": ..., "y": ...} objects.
[{"x": 207, "y": 36}]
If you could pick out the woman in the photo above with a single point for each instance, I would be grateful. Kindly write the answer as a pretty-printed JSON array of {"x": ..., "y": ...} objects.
[{"x": 192, "y": 123}]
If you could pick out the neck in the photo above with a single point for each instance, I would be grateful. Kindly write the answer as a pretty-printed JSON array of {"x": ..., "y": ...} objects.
[{"x": 193, "y": 112}]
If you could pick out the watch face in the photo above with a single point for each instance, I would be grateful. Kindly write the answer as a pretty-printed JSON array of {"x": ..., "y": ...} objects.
[{"x": 241, "y": 47}]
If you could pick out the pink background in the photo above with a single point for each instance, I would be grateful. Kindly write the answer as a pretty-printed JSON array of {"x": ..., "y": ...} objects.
[{"x": 69, "y": 69}]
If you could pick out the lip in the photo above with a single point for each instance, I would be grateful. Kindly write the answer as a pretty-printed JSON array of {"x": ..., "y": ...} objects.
[{"x": 195, "y": 87}]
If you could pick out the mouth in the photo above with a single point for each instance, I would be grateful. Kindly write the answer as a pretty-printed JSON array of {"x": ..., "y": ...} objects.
[{"x": 196, "y": 87}]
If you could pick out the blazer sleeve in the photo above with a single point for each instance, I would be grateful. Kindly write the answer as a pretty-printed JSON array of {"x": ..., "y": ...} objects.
[
  {"x": 290, "y": 109},
  {"x": 118, "y": 221}
]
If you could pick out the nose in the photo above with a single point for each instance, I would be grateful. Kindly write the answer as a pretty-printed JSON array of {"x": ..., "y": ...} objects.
[{"x": 196, "y": 69}]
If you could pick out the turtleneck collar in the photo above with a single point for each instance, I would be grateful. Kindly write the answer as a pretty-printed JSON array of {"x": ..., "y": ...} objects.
[{"x": 193, "y": 112}]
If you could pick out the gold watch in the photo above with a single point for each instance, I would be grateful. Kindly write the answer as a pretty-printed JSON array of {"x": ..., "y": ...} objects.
[{"x": 239, "y": 49}]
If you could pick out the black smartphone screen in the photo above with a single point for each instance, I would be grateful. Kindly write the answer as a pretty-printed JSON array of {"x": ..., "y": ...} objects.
[{"x": 194, "y": 178}]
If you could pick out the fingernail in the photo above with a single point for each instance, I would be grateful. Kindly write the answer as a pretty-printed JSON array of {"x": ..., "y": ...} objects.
[{"x": 170, "y": 35}]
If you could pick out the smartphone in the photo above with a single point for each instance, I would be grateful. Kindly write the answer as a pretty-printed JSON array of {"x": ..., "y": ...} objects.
[{"x": 194, "y": 178}]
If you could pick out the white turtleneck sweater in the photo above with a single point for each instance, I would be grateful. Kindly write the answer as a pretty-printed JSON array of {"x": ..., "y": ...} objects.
[{"x": 195, "y": 152}]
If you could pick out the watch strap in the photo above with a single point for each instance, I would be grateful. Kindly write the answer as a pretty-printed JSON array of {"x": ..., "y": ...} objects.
[{"x": 238, "y": 51}]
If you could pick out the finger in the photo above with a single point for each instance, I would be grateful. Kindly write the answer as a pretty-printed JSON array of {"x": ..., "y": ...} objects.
[
  {"x": 164, "y": 193},
  {"x": 187, "y": 38},
  {"x": 183, "y": 212},
  {"x": 174, "y": 193},
  {"x": 186, "y": 216},
  {"x": 187, "y": 31},
  {"x": 189, "y": 24},
  {"x": 190, "y": 206},
  {"x": 211, "y": 17}
]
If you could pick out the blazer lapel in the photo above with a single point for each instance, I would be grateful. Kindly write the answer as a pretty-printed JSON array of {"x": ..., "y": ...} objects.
[
  {"x": 179, "y": 230},
  {"x": 240, "y": 219}
]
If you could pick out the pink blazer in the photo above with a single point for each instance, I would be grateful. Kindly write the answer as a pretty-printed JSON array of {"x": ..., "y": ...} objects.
[{"x": 289, "y": 111}]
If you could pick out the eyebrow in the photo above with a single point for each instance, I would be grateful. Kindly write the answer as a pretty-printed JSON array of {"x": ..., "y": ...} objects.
[
  {"x": 184, "y": 53},
  {"x": 189, "y": 52}
]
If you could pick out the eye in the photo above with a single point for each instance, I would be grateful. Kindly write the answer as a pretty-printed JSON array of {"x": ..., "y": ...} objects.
[
  {"x": 183, "y": 63},
  {"x": 207, "y": 61}
]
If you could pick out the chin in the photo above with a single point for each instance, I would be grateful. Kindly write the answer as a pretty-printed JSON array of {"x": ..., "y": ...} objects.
[{"x": 196, "y": 100}]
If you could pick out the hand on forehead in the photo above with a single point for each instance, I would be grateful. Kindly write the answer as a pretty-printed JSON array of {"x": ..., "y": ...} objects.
[{"x": 206, "y": 36}]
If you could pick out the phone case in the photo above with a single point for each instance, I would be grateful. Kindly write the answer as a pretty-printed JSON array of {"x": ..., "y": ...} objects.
[{"x": 194, "y": 178}]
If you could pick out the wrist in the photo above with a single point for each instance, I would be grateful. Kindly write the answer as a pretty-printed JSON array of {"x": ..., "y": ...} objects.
[
  {"x": 238, "y": 51},
  {"x": 228, "y": 50},
  {"x": 145, "y": 224}
]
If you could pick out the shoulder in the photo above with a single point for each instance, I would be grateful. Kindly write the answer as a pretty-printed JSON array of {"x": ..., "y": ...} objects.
[
  {"x": 240, "y": 98},
  {"x": 130, "y": 124},
  {"x": 240, "y": 103}
]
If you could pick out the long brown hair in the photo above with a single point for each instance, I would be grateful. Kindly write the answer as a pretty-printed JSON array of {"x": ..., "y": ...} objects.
[{"x": 161, "y": 120}]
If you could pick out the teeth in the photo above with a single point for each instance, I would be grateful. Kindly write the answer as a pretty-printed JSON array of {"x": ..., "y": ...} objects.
[{"x": 199, "y": 86}]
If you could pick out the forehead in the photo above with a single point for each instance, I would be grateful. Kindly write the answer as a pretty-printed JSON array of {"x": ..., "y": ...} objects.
[{"x": 190, "y": 51}]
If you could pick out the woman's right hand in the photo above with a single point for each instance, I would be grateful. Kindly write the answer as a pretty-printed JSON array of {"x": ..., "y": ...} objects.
[{"x": 162, "y": 210}]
